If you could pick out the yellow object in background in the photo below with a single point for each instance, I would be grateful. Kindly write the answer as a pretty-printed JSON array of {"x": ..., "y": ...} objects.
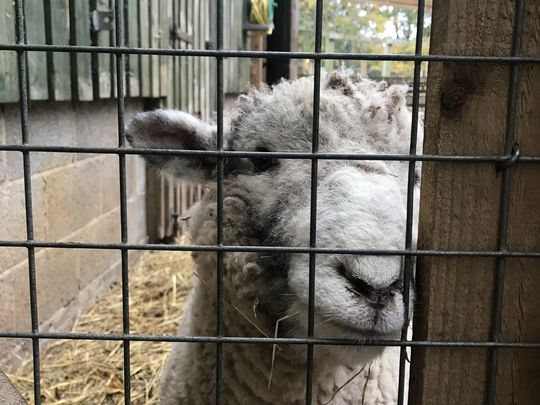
[{"x": 259, "y": 13}]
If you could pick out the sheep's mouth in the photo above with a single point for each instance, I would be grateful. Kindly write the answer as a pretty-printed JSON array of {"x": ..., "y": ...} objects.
[{"x": 377, "y": 330}]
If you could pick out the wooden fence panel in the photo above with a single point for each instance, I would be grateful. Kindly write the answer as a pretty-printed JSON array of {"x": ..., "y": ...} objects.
[
  {"x": 196, "y": 60},
  {"x": 203, "y": 21},
  {"x": 466, "y": 109},
  {"x": 81, "y": 63},
  {"x": 189, "y": 29},
  {"x": 37, "y": 61},
  {"x": 144, "y": 35},
  {"x": 103, "y": 69},
  {"x": 183, "y": 60},
  {"x": 154, "y": 43},
  {"x": 165, "y": 41},
  {"x": 57, "y": 33},
  {"x": 133, "y": 62},
  {"x": 9, "y": 87},
  {"x": 174, "y": 78},
  {"x": 85, "y": 77}
]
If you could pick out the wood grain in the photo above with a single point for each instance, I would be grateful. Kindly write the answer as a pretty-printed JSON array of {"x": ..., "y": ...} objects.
[{"x": 460, "y": 207}]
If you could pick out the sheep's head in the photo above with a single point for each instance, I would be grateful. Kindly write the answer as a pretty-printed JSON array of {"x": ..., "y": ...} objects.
[{"x": 360, "y": 204}]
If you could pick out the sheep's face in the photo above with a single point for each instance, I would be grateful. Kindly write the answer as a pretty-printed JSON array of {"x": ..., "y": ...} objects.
[{"x": 360, "y": 204}]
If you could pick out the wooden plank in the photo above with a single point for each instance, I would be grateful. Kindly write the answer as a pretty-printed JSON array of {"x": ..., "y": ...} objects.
[
  {"x": 183, "y": 59},
  {"x": 189, "y": 25},
  {"x": 81, "y": 63},
  {"x": 241, "y": 63},
  {"x": 37, "y": 61},
  {"x": 519, "y": 371},
  {"x": 233, "y": 74},
  {"x": 227, "y": 62},
  {"x": 165, "y": 61},
  {"x": 210, "y": 63},
  {"x": 174, "y": 95},
  {"x": 9, "y": 85},
  {"x": 196, "y": 60},
  {"x": 133, "y": 62},
  {"x": 460, "y": 204},
  {"x": 203, "y": 16},
  {"x": 104, "y": 62},
  {"x": 171, "y": 74},
  {"x": 57, "y": 33},
  {"x": 144, "y": 35},
  {"x": 154, "y": 204},
  {"x": 154, "y": 43},
  {"x": 257, "y": 70}
]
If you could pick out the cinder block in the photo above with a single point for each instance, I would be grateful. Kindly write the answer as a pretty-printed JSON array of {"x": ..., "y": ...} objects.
[
  {"x": 62, "y": 124},
  {"x": 109, "y": 183},
  {"x": 56, "y": 278},
  {"x": 50, "y": 124},
  {"x": 105, "y": 229},
  {"x": 92, "y": 261},
  {"x": 12, "y": 207},
  {"x": 14, "y": 351},
  {"x": 96, "y": 124},
  {"x": 15, "y": 299},
  {"x": 3, "y": 155},
  {"x": 137, "y": 219},
  {"x": 136, "y": 175},
  {"x": 10, "y": 257},
  {"x": 94, "y": 289},
  {"x": 71, "y": 198},
  {"x": 13, "y": 218}
]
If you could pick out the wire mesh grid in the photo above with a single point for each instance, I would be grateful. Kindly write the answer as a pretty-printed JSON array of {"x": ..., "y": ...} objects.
[{"x": 504, "y": 162}]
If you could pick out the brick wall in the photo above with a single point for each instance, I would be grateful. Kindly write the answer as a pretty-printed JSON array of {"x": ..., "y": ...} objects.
[{"x": 75, "y": 198}]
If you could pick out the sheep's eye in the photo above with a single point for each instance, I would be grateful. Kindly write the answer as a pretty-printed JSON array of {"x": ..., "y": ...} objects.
[{"x": 262, "y": 164}]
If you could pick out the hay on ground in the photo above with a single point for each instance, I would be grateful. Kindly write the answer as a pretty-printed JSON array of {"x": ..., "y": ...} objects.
[{"x": 91, "y": 372}]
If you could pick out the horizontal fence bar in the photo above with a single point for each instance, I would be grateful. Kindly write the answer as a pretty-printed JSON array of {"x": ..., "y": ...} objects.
[
  {"x": 268, "y": 54},
  {"x": 280, "y": 155},
  {"x": 263, "y": 249},
  {"x": 265, "y": 340}
]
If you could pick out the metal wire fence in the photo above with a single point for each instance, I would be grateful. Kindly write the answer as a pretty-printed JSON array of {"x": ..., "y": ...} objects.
[{"x": 503, "y": 161}]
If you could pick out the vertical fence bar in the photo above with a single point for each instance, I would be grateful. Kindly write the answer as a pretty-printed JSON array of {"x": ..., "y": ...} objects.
[
  {"x": 20, "y": 34},
  {"x": 120, "y": 69},
  {"x": 219, "y": 273},
  {"x": 500, "y": 262},
  {"x": 313, "y": 200},
  {"x": 409, "y": 261}
]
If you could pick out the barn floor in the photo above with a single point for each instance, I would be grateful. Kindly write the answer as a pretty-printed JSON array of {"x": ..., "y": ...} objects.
[{"x": 91, "y": 372}]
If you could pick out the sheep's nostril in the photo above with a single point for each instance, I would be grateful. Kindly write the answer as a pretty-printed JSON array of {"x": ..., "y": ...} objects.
[
  {"x": 357, "y": 285},
  {"x": 377, "y": 304},
  {"x": 377, "y": 298},
  {"x": 380, "y": 299}
]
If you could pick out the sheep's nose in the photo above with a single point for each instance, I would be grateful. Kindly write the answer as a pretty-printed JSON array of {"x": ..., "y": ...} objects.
[{"x": 377, "y": 298}]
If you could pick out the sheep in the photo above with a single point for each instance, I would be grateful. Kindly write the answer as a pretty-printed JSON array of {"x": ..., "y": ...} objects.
[{"x": 360, "y": 204}]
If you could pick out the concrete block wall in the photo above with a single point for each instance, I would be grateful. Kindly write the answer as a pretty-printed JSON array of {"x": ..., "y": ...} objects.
[{"x": 75, "y": 199}]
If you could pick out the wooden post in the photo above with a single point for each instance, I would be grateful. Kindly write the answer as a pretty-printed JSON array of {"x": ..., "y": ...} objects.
[
  {"x": 257, "y": 64},
  {"x": 460, "y": 210}
]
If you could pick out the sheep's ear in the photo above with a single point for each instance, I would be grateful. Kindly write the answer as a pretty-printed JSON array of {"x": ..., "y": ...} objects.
[{"x": 171, "y": 129}]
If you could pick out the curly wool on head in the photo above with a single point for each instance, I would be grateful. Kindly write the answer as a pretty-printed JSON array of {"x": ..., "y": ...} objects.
[{"x": 360, "y": 205}]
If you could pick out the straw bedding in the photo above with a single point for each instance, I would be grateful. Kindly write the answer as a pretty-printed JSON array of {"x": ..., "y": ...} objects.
[{"x": 91, "y": 372}]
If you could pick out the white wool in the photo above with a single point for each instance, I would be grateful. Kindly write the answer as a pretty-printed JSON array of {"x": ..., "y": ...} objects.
[{"x": 360, "y": 204}]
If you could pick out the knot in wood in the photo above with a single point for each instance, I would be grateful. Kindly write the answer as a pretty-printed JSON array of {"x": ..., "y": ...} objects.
[{"x": 454, "y": 96}]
